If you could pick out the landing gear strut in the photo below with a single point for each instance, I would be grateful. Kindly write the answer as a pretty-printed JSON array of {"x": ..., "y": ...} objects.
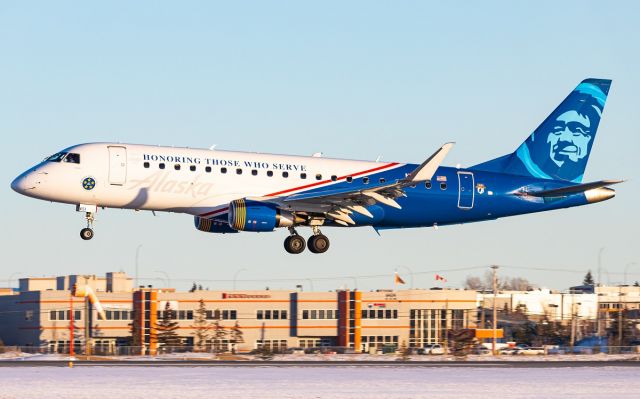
[
  {"x": 294, "y": 244},
  {"x": 318, "y": 243},
  {"x": 87, "y": 232}
]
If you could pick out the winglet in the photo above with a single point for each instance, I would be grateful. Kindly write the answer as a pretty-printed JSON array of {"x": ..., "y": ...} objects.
[{"x": 428, "y": 168}]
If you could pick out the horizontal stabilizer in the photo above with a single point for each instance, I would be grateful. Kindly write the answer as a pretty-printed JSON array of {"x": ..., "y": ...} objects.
[{"x": 579, "y": 188}]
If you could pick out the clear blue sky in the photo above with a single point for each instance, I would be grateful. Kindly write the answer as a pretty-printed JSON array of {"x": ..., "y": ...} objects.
[{"x": 350, "y": 79}]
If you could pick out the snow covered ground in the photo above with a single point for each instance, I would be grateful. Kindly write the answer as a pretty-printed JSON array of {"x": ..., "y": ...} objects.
[{"x": 329, "y": 382}]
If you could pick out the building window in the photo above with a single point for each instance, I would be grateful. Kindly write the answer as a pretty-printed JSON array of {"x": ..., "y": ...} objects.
[
  {"x": 28, "y": 315},
  {"x": 146, "y": 165},
  {"x": 320, "y": 314},
  {"x": 271, "y": 314}
]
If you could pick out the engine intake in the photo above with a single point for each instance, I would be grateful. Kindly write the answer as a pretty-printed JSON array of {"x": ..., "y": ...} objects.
[{"x": 257, "y": 216}]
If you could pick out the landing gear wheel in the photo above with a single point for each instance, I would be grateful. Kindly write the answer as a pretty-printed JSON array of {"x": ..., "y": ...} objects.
[
  {"x": 318, "y": 244},
  {"x": 294, "y": 244},
  {"x": 86, "y": 233}
]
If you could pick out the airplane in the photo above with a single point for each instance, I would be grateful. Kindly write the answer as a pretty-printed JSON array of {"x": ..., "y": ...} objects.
[{"x": 231, "y": 192}]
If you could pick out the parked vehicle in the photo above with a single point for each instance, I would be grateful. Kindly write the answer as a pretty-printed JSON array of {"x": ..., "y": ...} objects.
[{"x": 434, "y": 349}]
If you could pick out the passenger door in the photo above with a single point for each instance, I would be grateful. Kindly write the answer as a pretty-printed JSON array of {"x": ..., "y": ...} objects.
[
  {"x": 117, "y": 165},
  {"x": 465, "y": 192}
]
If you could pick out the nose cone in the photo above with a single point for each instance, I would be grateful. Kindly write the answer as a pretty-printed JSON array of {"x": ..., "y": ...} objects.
[{"x": 24, "y": 183}]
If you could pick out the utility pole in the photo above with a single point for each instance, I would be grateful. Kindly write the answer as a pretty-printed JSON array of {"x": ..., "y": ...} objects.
[{"x": 495, "y": 310}]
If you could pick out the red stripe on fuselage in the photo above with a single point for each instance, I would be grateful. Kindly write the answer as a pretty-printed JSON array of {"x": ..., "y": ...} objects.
[
  {"x": 332, "y": 181},
  {"x": 316, "y": 184}
]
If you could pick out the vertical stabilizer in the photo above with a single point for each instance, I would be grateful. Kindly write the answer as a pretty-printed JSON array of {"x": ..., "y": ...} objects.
[{"x": 559, "y": 148}]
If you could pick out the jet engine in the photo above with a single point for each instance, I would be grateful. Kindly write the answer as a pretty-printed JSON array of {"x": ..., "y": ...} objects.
[
  {"x": 212, "y": 226},
  {"x": 245, "y": 215}
]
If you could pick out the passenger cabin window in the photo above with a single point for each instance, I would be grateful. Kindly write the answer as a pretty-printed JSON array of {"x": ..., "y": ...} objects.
[
  {"x": 318, "y": 176},
  {"x": 285, "y": 174},
  {"x": 334, "y": 178},
  {"x": 176, "y": 166},
  {"x": 349, "y": 179},
  {"x": 443, "y": 186},
  {"x": 238, "y": 171},
  {"x": 72, "y": 158},
  {"x": 427, "y": 184},
  {"x": 161, "y": 165},
  {"x": 146, "y": 165},
  {"x": 303, "y": 175},
  {"x": 269, "y": 173},
  {"x": 254, "y": 172},
  {"x": 192, "y": 168},
  {"x": 382, "y": 180},
  {"x": 223, "y": 170},
  {"x": 365, "y": 180},
  {"x": 207, "y": 169}
]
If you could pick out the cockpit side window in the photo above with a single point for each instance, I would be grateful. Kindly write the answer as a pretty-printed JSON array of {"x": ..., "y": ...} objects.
[
  {"x": 56, "y": 157},
  {"x": 72, "y": 158}
]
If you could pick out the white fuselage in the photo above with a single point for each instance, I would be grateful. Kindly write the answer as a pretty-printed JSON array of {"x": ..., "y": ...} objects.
[{"x": 173, "y": 179}]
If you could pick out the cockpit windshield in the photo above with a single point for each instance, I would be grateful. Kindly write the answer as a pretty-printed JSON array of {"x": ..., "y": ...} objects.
[{"x": 68, "y": 157}]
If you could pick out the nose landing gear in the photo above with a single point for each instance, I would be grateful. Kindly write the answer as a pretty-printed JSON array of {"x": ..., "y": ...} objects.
[{"x": 89, "y": 215}]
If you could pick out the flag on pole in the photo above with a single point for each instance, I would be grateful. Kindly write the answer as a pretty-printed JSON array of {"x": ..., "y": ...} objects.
[
  {"x": 398, "y": 279},
  {"x": 440, "y": 278}
]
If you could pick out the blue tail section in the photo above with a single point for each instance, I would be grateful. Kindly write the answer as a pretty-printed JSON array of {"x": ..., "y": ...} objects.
[{"x": 559, "y": 148}]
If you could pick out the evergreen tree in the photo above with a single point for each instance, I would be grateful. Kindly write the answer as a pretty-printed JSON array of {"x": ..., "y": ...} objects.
[
  {"x": 219, "y": 334},
  {"x": 588, "y": 279},
  {"x": 201, "y": 326},
  {"x": 194, "y": 287},
  {"x": 167, "y": 327},
  {"x": 637, "y": 284},
  {"x": 236, "y": 336},
  {"x": 200, "y": 287}
]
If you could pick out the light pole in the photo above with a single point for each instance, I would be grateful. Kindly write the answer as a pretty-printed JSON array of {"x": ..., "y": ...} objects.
[
  {"x": 235, "y": 277},
  {"x": 626, "y": 268},
  {"x": 137, "y": 258},
  {"x": 310, "y": 284},
  {"x": 495, "y": 310},
  {"x": 600, "y": 266}
]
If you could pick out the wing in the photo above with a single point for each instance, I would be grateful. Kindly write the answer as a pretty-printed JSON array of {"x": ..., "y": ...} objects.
[{"x": 338, "y": 204}]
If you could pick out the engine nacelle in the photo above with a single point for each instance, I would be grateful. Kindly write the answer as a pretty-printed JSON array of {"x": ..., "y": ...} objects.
[
  {"x": 212, "y": 226},
  {"x": 257, "y": 216}
]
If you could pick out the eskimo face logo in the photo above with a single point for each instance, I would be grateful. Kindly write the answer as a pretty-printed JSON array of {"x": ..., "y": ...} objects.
[
  {"x": 559, "y": 148},
  {"x": 88, "y": 183},
  {"x": 569, "y": 139}
]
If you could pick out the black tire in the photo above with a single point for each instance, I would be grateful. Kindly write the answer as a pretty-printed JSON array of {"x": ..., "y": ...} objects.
[
  {"x": 318, "y": 244},
  {"x": 294, "y": 244},
  {"x": 86, "y": 233}
]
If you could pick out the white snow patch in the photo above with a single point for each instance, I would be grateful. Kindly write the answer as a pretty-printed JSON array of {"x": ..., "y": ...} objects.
[{"x": 329, "y": 382}]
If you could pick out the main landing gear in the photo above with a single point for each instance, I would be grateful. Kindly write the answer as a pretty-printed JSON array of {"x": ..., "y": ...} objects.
[
  {"x": 318, "y": 243},
  {"x": 87, "y": 232}
]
